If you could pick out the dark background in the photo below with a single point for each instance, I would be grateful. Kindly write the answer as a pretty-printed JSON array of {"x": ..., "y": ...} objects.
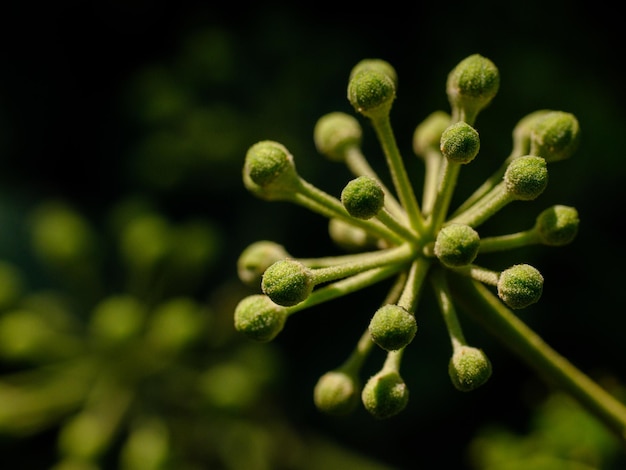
[{"x": 73, "y": 110}]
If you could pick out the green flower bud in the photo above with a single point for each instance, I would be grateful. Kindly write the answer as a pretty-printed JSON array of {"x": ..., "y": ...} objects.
[
  {"x": 457, "y": 245},
  {"x": 335, "y": 133},
  {"x": 176, "y": 324},
  {"x": 256, "y": 258},
  {"x": 24, "y": 334},
  {"x": 336, "y": 393},
  {"x": 555, "y": 136},
  {"x": 145, "y": 241},
  {"x": 526, "y": 177},
  {"x": 557, "y": 225},
  {"x": 61, "y": 236},
  {"x": 392, "y": 327},
  {"x": 371, "y": 92},
  {"x": 269, "y": 171},
  {"x": 258, "y": 318},
  {"x": 520, "y": 286},
  {"x": 350, "y": 237},
  {"x": 363, "y": 197},
  {"x": 471, "y": 86},
  {"x": 84, "y": 436},
  {"x": 469, "y": 368},
  {"x": 118, "y": 318},
  {"x": 427, "y": 135},
  {"x": 522, "y": 131},
  {"x": 377, "y": 65},
  {"x": 460, "y": 143},
  {"x": 287, "y": 282},
  {"x": 385, "y": 395}
]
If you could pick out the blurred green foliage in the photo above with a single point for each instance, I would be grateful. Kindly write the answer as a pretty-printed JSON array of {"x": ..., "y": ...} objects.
[{"x": 122, "y": 136}]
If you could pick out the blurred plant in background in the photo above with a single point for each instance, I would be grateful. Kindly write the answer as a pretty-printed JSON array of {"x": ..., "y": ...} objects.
[{"x": 116, "y": 336}]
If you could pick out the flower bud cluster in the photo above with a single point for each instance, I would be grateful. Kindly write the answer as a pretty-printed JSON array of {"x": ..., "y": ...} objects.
[{"x": 393, "y": 233}]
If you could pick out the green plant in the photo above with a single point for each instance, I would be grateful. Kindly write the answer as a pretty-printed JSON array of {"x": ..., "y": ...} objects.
[{"x": 394, "y": 234}]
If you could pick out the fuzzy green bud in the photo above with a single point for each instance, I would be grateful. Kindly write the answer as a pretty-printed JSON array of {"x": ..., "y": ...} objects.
[
  {"x": 336, "y": 393},
  {"x": 457, "y": 245},
  {"x": 557, "y": 225},
  {"x": 363, "y": 197},
  {"x": 520, "y": 285},
  {"x": 385, "y": 394},
  {"x": 460, "y": 143},
  {"x": 471, "y": 86},
  {"x": 556, "y": 136},
  {"x": 377, "y": 65},
  {"x": 258, "y": 318},
  {"x": 256, "y": 258},
  {"x": 287, "y": 282},
  {"x": 469, "y": 368},
  {"x": 392, "y": 327},
  {"x": 427, "y": 135},
  {"x": 118, "y": 318},
  {"x": 335, "y": 133},
  {"x": 371, "y": 92},
  {"x": 269, "y": 171},
  {"x": 526, "y": 177},
  {"x": 523, "y": 129}
]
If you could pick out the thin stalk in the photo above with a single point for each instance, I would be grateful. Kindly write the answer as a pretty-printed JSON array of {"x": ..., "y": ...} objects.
[{"x": 401, "y": 181}]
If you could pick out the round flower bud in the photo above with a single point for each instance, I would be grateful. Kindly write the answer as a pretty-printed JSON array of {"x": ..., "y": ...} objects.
[
  {"x": 520, "y": 285},
  {"x": 385, "y": 395},
  {"x": 460, "y": 143},
  {"x": 523, "y": 129},
  {"x": 392, "y": 327},
  {"x": 526, "y": 177},
  {"x": 472, "y": 84},
  {"x": 336, "y": 393},
  {"x": 555, "y": 136},
  {"x": 258, "y": 318},
  {"x": 363, "y": 197},
  {"x": 371, "y": 92},
  {"x": 469, "y": 368},
  {"x": 269, "y": 171},
  {"x": 287, "y": 282},
  {"x": 378, "y": 65},
  {"x": 457, "y": 245},
  {"x": 256, "y": 258},
  {"x": 557, "y": 225},
  {"x": 335, "y": 133},
  {"x": 427, "y": 134}
]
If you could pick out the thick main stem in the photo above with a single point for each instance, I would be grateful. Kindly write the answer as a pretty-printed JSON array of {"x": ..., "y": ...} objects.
[{"x": 477, "y": 300}]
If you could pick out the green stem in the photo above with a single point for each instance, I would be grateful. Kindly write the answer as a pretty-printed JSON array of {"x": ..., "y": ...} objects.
[
  {"x": 447, "y": 182},
  {"x": 446, "y": 306},
  {"x": 509, "y": 241},
  {"x": 345, "y": 286},
  {"x": 401, "y": 181},
  {"x": 483, "y": 189},
  {"x": 432, "y": 162},
  {"x": 538, "y": 355},
  {"x": 318, "y": 201},
  {"x": 355, "y": 361},
  {"x": 389, "y": 221},
  {"x": 410, "y": 294},
  {"x": 399, "y": 255},
  {"x": 486, "y": 207}
]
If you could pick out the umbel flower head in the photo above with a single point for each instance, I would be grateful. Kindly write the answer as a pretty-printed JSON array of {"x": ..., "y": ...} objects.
[{"x": 422, "y": 242}]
